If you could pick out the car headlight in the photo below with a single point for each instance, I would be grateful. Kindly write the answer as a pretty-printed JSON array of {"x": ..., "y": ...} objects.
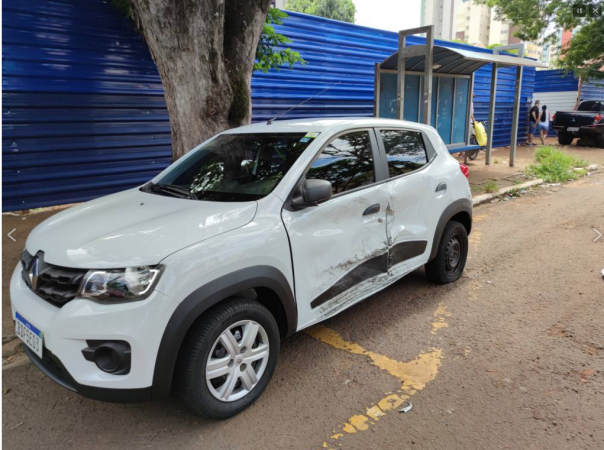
[{"x": 132, "y": 283}]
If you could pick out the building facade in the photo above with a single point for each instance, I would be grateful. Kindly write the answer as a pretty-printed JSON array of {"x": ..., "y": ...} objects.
[
  {"x": 442, "y": 14},
  {"x": 473, "y": 23},
  {"x": 479, "y": 25}
]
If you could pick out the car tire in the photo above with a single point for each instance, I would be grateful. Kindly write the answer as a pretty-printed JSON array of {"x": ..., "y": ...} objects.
[
  {"x": 203, "y": 346},
  {"x": 564, "y": 138},
  {"x": 450, "y": 260}
]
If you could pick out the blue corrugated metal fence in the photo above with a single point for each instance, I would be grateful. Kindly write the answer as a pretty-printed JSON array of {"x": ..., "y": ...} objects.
[
  {"x": 555, "y": 81},
  {"x": 83, "y": 107},
  {"x": 592, "y": 90},
  {"x": 346, "y": 53}
]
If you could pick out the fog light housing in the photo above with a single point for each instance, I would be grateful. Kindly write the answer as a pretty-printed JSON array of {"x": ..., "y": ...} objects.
[{"x": 110, "y": 356}]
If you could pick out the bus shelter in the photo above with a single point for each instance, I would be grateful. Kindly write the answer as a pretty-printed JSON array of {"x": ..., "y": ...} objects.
[{"x": 433, "y": 84}]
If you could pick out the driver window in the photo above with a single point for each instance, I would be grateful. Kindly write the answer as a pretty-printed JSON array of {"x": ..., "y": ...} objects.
[{"x": 346, "y": 162}]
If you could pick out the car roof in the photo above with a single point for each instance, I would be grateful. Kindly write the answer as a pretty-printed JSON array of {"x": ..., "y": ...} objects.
[{"x": 319, "y": 124}]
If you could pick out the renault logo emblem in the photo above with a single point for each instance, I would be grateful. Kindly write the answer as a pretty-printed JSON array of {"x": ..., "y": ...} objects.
[{"x": 33, "y": 273}]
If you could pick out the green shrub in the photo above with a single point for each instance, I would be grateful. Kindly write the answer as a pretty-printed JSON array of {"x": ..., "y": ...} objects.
[
  {"x": 491, "y": 187},
  {"x": 555, "y": 166}
]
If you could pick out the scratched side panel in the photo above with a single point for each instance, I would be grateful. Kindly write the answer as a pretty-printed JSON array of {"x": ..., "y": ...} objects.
[{"x": 331, "y": 240}]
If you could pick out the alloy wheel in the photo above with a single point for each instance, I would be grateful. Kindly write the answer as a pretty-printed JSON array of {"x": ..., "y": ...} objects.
[{"x": 237, "y": 360}]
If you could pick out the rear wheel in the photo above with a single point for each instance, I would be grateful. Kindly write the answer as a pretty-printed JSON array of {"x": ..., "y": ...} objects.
[
  {"x": 451, "y": 256},
  {"x": 565, "y": 138},
  {"x": 228, "y": 359}
]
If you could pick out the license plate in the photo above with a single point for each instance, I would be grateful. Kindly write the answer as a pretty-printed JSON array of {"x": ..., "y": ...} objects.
[
  {"x": 30, "y": 335},
  {"x": 572, "y": 129}
]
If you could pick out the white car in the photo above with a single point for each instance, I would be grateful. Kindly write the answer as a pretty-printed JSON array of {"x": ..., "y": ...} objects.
[{"x": 188, "y": 283}]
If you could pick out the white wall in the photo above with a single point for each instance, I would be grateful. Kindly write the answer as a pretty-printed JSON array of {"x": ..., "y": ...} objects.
[{"x": 556, "y": 101}]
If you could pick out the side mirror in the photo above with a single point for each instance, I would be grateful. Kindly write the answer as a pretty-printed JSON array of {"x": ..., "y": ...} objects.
[{"x": 311, "y": 193}]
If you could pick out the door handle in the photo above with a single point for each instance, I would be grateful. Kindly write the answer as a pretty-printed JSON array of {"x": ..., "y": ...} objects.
[
  {"x": 441, "y": 187},
  {"x": 373, "y": 209}
]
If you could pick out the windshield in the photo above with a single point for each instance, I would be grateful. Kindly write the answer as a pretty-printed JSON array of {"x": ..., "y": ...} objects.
[{"x": 236, "y": 167}]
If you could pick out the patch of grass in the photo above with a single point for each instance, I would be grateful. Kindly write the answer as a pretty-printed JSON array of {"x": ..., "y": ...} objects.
[
  {"x": 491, "y": 187},
  {"x": 556, "y": 166},
  {"x": 497, "y": 161}
]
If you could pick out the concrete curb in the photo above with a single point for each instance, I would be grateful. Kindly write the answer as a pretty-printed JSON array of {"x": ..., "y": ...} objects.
[{"x": 483, "y": 198}]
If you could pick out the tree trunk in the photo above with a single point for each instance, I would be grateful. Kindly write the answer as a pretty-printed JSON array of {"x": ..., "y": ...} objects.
[{"x": 204, "y": 51}]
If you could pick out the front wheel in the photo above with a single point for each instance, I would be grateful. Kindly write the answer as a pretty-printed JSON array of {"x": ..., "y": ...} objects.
[
  {"x": 564, "y": 138},
  {"x": 228, "y": 359},
  {"x": 451, "y": 256}
]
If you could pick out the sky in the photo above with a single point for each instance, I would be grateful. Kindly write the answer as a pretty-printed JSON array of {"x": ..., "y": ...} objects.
[{"x": 392, "y": 15}]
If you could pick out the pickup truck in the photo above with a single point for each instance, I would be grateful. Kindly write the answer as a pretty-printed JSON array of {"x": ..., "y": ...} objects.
[{"x": 586, "y": 123}]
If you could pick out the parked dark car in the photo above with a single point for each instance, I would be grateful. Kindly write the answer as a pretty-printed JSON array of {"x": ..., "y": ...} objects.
[{"x": 586, "y": 123}]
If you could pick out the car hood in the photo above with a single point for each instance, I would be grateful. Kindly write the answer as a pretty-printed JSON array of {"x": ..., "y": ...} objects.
[{"x": 132, "y": 228}]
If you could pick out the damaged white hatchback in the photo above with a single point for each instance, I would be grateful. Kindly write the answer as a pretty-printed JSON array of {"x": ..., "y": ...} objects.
[{"x": 188, "y": 283}]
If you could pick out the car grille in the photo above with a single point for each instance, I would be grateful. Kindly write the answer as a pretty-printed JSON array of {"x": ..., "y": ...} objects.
[{"x": 55, "y": 284}]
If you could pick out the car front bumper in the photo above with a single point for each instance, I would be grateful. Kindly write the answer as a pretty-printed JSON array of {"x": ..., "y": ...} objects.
[{"x": 65, "y": 332}]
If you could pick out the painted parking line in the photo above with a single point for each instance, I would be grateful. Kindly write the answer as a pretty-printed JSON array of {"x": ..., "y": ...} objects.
[
  {"x": 440, "y": 317},
  {"x": 414, "y": 375}
]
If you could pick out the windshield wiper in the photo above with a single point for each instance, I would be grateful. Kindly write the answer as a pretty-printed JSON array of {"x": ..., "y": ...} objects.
[{"x": 171, "y": 189}]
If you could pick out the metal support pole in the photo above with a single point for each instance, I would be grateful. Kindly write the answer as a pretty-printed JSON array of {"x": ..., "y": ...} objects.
[
  {"x": 469, "y": 109},
  {"x": 376, "y": 92},
  {"x": 515, "y": 116},
  {"x": 491, "y": 113},
  {"x": 517, "y": 92},
  {"x": 428, "y": 75},
  {"x": 400, "y": 77},
  {"x": 400, "y": 73}
]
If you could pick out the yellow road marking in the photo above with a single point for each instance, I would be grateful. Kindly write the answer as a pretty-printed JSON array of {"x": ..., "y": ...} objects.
[
  {"x": 414, "y": 376},
  {"x": 440, "y": 315}
]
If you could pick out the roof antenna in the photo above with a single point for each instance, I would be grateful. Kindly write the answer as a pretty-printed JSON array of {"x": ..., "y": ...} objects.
[{"x": 270, "y": 121}]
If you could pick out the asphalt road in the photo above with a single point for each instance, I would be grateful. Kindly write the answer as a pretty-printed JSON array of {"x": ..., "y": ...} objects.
[{"x": 511, "y": 356}]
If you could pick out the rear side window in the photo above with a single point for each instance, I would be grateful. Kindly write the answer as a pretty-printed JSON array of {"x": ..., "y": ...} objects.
[
  {"x": 346, "y": 162},
  {"x": 405, "y": 151},
  {"x": 591, "y": 105}
]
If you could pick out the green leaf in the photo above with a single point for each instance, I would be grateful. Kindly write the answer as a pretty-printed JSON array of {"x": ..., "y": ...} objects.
[
  {"x": 585, "y": 53},
  {"x": 270, "y": 53}
]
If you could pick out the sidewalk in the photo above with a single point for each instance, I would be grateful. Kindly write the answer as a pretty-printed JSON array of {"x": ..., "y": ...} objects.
[{"x": 500, "y": 173}]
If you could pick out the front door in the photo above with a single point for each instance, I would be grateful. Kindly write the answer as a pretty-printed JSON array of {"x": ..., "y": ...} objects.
[
  {"x": 339, "y": 248},
  {"x": 410, "y": 209}
]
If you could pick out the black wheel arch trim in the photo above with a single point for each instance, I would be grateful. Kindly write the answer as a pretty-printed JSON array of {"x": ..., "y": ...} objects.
[
  {"x": 463, "y": 205},
  {"x": 203, "y": 298}
]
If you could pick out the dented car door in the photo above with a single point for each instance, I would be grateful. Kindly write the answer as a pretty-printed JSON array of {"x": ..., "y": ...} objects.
[{"x": 339, "y": 248}]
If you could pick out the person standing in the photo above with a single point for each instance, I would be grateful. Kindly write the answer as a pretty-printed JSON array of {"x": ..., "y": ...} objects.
[
  {"x": 533, "y": 119},
  {"x": 543, "y": 126}
]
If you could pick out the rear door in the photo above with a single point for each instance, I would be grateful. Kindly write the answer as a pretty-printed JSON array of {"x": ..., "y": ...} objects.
[
  {"x": 410, "y": 221},
  {"x": 339, "y": 248}
]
